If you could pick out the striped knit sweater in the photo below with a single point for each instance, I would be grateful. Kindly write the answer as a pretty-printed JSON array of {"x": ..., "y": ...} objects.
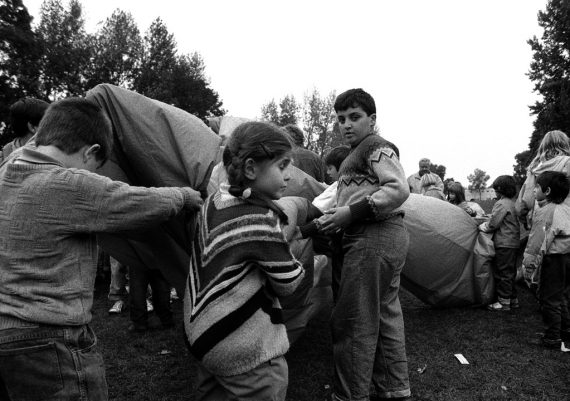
[{"x": 241, "y": 263}]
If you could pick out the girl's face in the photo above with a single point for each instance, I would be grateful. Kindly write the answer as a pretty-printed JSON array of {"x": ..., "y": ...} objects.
[
  {"x": 451, "y": 196},
  {"x": 271, "y": 176}
]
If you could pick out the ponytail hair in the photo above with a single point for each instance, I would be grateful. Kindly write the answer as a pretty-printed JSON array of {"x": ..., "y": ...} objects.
[{"x": 259, "y": 141}]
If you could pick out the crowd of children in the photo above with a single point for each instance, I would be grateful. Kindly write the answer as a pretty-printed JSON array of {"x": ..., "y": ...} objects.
[{"x": 241, "y": 263}]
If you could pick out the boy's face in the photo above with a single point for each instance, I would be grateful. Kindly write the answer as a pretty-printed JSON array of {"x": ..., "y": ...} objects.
[
  {"x": 355, "y": 124},
  {"x": 539, "y": 194},
  {"x": 332, "y": 172}
]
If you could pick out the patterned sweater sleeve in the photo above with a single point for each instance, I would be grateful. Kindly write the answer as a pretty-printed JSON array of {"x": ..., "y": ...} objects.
[
  {"x": 95, "y": 204},
  {"x": 284, "y": 273},
  {"x": 393, "y": 187}
]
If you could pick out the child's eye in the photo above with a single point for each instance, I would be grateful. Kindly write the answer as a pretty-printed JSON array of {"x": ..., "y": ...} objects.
[{"x": 341, "y": 120}]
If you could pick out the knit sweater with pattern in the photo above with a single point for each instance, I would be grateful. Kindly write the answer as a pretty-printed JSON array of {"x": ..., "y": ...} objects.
[
  {"x": 49, "y": 216},
  {"x": 372, "y": 181},
  {"x": 241, "y": 263}
]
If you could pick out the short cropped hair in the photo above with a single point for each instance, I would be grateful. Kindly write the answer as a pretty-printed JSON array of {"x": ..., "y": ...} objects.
[
  {"x": 336, "y": 156},
  {"x": 558, "y": 184},
  {"x": 424, "y": 161},
  {"x": 74, "y": 122},
  {"x": 505, "y": 185},
  {"x": 355, "y": 98},
  {"x": 24, "y": 111},
  {"x": 295, "y": 134}
]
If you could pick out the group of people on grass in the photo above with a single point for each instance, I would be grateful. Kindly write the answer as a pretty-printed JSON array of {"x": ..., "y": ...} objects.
[{"x": 53, "y": 202}]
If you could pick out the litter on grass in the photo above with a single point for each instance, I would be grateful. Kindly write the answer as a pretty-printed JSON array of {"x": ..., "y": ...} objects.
[
  {"x": 461, "y": 359},
  {"x": 423, "y": 369}
]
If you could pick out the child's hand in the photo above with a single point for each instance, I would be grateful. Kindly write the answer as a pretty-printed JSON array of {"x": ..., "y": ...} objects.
[
  {"x": 192, "y": 199},
  {"x": 335, "y": 220}
]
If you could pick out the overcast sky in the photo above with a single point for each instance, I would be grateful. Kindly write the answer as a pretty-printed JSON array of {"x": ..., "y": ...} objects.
[{"x": 448, "y": 76}]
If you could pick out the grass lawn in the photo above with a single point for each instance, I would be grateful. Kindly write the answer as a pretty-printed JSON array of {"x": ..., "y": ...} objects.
[{"x": 502, "y": 363}]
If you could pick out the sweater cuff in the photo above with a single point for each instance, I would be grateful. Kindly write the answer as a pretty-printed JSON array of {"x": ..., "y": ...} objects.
[
  {"x": 310, "y": 229},
  {"x": 361, "y": 209}
]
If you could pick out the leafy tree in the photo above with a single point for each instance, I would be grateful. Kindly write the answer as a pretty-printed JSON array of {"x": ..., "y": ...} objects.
[
  {"x": 523, "y": 160},
  {"x": 318, "y": 120},
  {"x": 270, "y": 112},
  {"x": 438, "y": 169},
  {"x": 478, "y": 181},
  {"x": 191, "y": 89},
  {"x": 158, "y": 63},
  {"x": 289, "y": 109},
  {"x": 19, "y": 53},
  {"x": 550, "y": 72},
  {"x": 66, "y": 47},
  {"x": 117, "y": 51}
]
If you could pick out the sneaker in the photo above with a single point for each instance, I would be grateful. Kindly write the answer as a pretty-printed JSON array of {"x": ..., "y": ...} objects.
[
  {"x": 547, "y": 343},
  {"x": 173, "y": 295},
  {"x": 149, "y": 307},
  {"x": 117, "y": 307},
  {"x": 499, "y": 307},
  {"x": 515, "y": 303}
]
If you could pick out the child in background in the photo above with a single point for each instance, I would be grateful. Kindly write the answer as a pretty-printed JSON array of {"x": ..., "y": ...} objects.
[
  {"x": 505, "y": 226},
  {"x": 333, "y": 160},
  {"x": 428, "y": 185},
  {"x": 241, "y": 264},
  {"x": 456, "y": 196},
  {"x": 367, "y": 321},
  {"x": 326, "y": 201},
  {"x": 548, "y": 253}
]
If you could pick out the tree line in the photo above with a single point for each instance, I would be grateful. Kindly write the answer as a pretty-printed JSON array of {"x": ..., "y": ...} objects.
[{"x": 58, "y": 58}]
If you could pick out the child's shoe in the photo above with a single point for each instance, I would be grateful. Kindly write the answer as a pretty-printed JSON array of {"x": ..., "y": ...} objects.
[
  {"x": 117, "y": 307},
  {"x": 499, "y": 307},
  {"x": 515, "y": 303}
]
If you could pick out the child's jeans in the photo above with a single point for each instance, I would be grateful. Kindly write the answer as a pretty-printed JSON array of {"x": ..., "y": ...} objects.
[
  {"x": 554, "y": 282},
  {"x": 505, "y": 273},
  {"x": 47, "y": 363},
  {"x": 367, "y": 321},
  {"x": 139, "y": 279},
  {"x": 266, "y": 382}
]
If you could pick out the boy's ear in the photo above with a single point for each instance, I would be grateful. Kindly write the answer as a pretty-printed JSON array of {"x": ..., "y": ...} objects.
[
  {"x": 90, "y": 151},
  {"x": 373, "y": 118},
  {"x": 32, "y": 128},
  {"x": 547, "y": 192},
  {"x": 250, "y": 169}
]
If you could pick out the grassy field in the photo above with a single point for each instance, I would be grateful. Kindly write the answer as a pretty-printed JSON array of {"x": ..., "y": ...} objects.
[{"x": 502, "y": 364}]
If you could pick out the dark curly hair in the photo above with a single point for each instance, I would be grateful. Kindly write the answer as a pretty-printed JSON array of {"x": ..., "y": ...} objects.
[
  {"x": 505, "y": 185},
  {"x": 256, "y": 140},
  {"x": 558, "y": 184}
]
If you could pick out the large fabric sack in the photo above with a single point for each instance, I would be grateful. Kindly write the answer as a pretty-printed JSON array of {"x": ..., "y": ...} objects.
[
  {"x": 156, "y": 145},
  {"x": 440, "y": 268}
]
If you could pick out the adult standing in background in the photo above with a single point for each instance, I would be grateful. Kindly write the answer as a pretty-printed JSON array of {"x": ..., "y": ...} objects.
[
  {"x": 305, "y": 159},
  {"x": 25, "y": 116},
  {"x": 414, "y": 181},
  {"x": 553, "y": 154}
]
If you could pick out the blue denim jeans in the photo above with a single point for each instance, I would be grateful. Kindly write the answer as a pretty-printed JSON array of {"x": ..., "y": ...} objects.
[
  {"x": 266, "y": 382},
  {"x": 367, "y": 321},
  {"x": 51, "y": 363}
]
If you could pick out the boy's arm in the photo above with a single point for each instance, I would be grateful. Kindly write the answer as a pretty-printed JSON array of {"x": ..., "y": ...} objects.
[
  {"x": 497, "y": 215},
  {"x": 393, "y": 191},
  {"x": 96, "y": 204}
]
